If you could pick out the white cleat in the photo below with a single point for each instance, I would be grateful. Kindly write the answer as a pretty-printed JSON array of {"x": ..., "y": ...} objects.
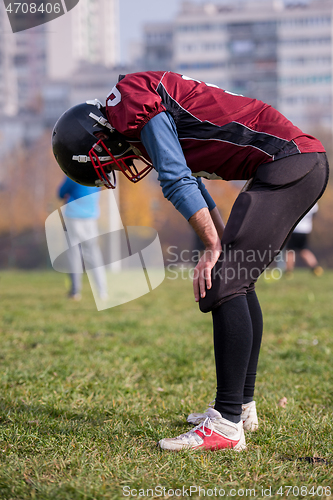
[
  {"x": 213, "y": 433},
  {"x": 249, "y": 416}
]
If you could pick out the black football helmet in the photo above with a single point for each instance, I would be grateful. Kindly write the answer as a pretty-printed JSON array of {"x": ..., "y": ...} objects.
[{"x": 88, "y": 159}]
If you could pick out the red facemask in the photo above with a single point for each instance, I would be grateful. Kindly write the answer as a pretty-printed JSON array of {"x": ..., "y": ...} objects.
[{"x": 125, "y": 164}]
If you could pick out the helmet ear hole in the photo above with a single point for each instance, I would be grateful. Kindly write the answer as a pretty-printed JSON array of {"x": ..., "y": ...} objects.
[{"x": 101, "y": 135}]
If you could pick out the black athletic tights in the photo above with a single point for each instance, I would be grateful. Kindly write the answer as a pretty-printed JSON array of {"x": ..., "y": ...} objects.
[{"x": 238, "y": 329}]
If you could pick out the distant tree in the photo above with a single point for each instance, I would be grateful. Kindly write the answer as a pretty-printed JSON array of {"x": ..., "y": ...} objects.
[{"x": 29, "y": 189}]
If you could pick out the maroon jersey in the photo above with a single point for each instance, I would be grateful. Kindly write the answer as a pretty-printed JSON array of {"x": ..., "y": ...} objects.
[{"x": 220, "y": 133}]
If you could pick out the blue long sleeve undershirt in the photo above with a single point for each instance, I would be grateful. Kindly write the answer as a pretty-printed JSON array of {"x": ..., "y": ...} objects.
[{"x": 186, "y": 192}]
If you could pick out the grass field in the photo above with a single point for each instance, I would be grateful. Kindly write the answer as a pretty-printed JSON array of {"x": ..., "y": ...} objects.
[{"x": 86, "y": 395}]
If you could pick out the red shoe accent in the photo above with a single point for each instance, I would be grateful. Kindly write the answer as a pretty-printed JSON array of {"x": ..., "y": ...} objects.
[{"x": 214, "y": 441}]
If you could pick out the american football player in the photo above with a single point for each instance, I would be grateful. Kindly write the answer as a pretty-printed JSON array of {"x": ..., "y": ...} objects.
[{"x": 187, "y": 129}]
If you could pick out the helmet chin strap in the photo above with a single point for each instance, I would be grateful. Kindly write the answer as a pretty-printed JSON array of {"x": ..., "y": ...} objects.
[
  {"x": 95, "y": 102},
  {"x": 136, "y": 151},
  {"x": 107, "y": 182},
  {"x": 102, "y": 121}
]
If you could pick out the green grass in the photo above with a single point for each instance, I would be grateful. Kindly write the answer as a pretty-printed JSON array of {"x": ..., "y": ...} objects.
[{"x": 86, "y": 395}]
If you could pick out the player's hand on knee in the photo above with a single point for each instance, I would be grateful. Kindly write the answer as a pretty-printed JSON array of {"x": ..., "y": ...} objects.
[{"x": 202, "y": 279}]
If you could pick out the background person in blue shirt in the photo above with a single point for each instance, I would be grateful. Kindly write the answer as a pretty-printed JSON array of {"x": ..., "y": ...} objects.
[{"x": 81, "y": 214}]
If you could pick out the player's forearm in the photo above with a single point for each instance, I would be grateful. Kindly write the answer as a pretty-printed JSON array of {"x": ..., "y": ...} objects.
[
  {"x": 204, "y": 226},
  {"x": 218, "y": 222}
]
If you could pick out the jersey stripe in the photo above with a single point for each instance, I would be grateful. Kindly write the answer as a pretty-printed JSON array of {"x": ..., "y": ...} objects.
[{"x": 191, "y": 127}]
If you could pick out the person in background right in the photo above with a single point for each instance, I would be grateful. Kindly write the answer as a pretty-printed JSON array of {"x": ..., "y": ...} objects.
[{"x": 298, "y": 244}]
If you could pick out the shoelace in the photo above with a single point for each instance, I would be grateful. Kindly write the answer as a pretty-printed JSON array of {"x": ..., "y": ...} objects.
[{"x": 203, "y": 425}]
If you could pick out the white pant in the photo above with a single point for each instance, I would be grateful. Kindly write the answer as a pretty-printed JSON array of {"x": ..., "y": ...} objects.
[{"x": 83, "y": 236}]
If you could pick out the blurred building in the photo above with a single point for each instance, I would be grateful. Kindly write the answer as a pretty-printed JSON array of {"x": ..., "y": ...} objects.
[
  {"x": 41, "y": 67},
  {"x": 22, "y": 67},
  {"x": 279, "y": 51},
  {"x": 89, "y": 33},
  {"x": 22, "y": 73},
  {"x": 82, "y": 50},
  {"x": 158, "y": 46},
  {"x": 8, "y": 86},
  {"x": 305, "y": 63},
  {"x": 54, "y": 51},
  {"x": 88, "y": 81}
]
